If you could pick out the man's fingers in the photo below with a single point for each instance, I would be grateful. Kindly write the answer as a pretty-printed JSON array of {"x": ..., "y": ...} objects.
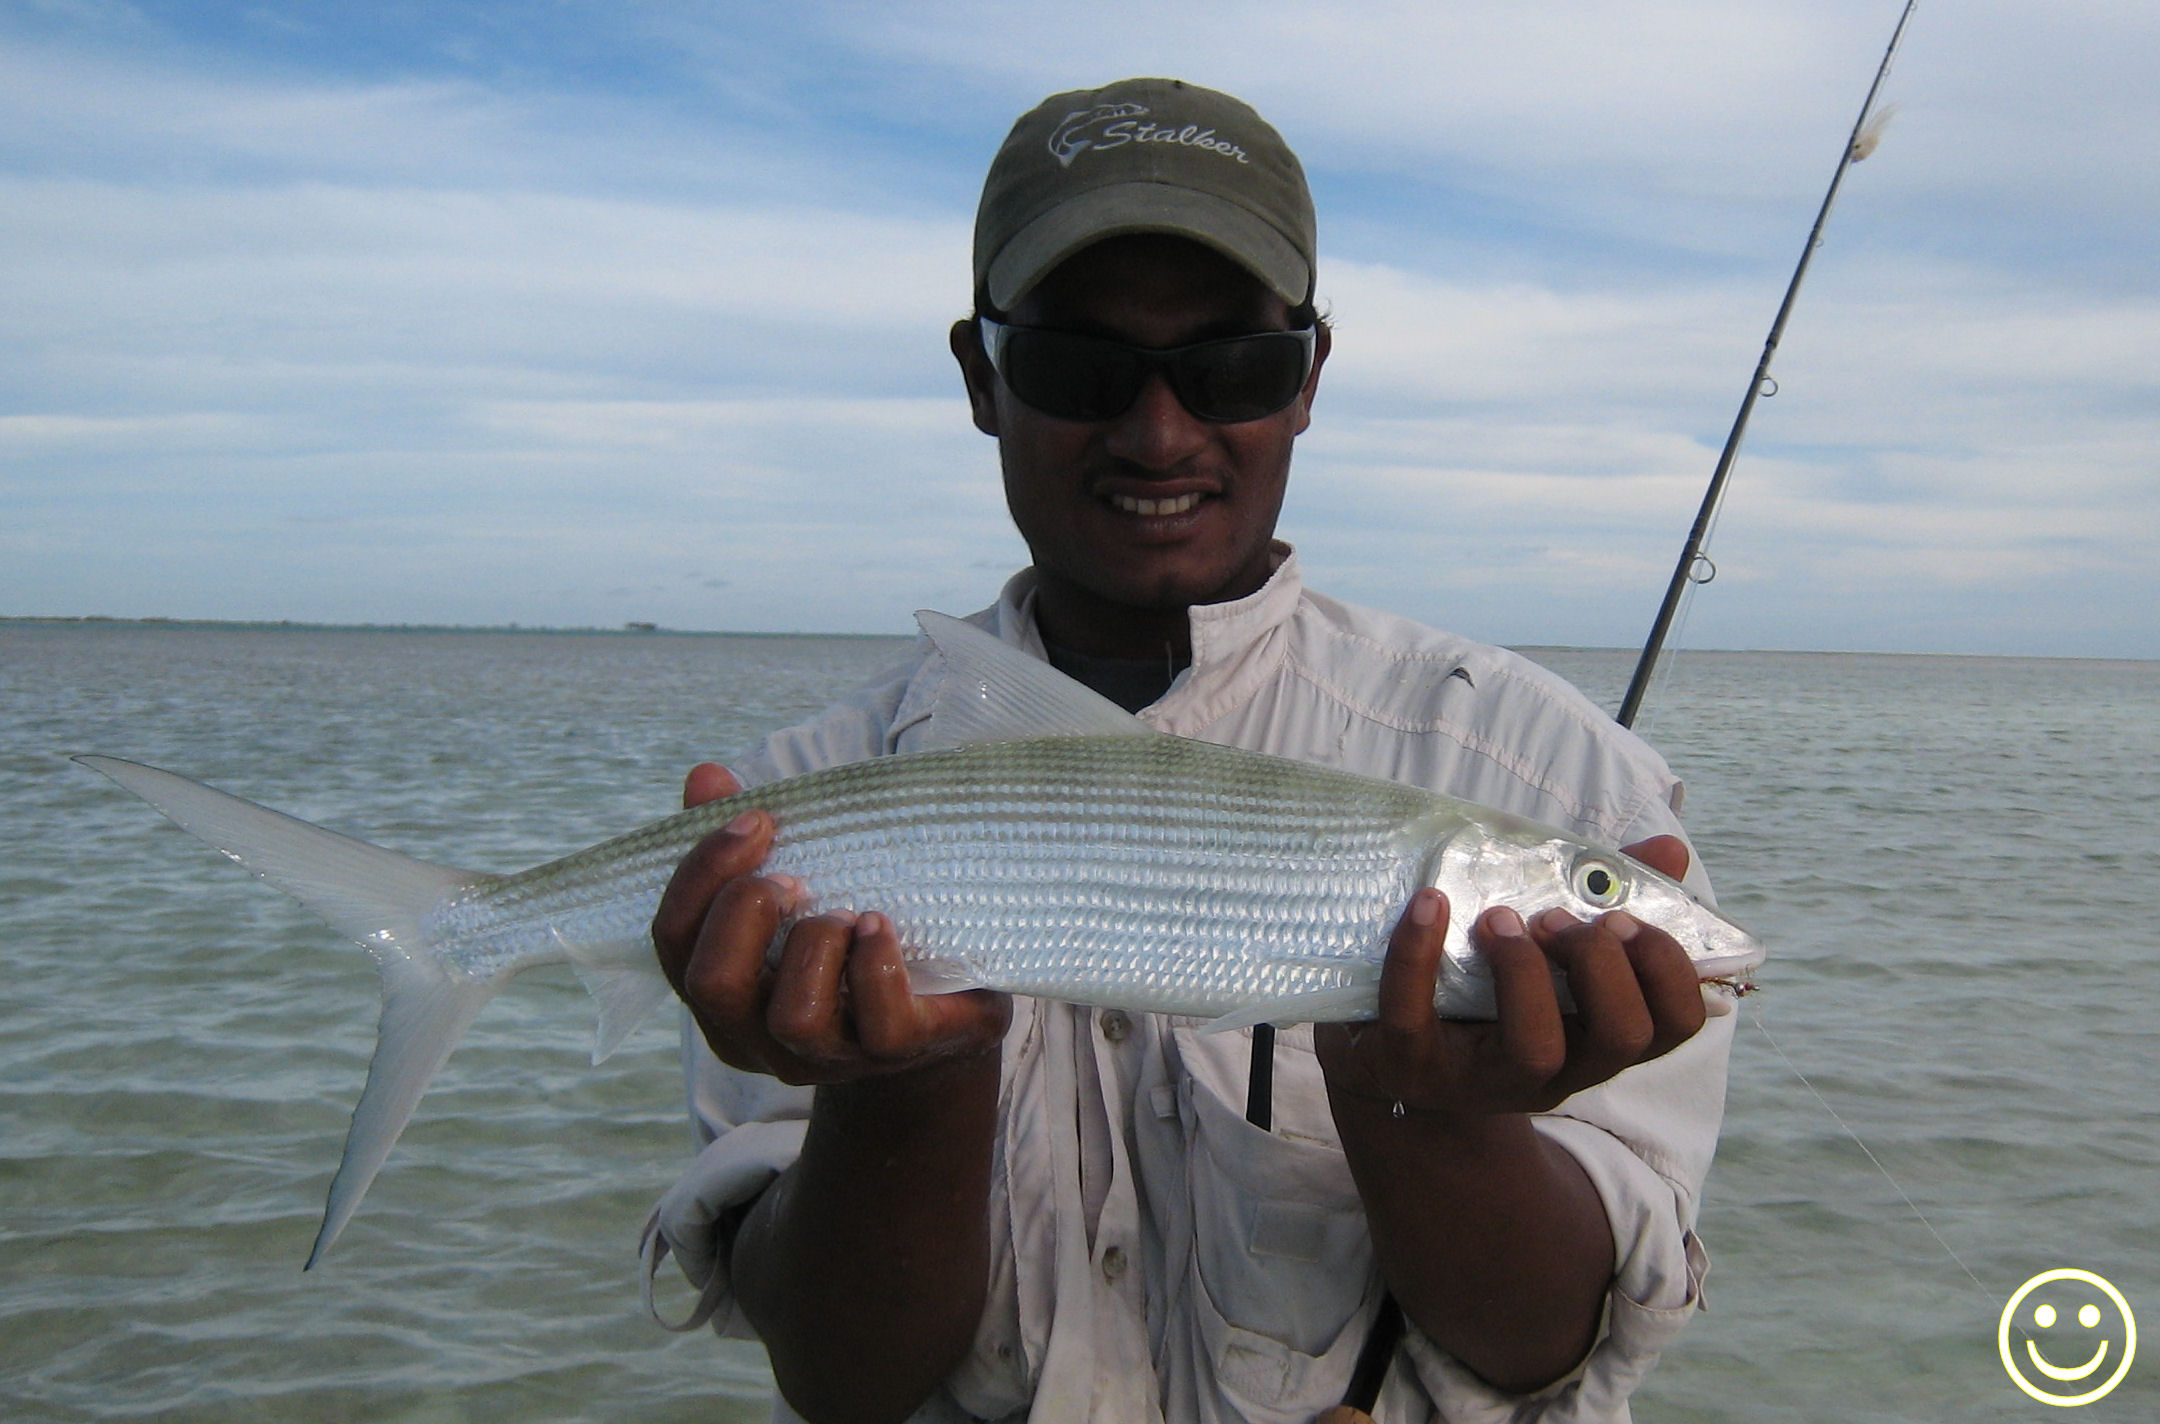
[
  {"x": 893, "y": 1023},
  {"x": 886, "y": 1021},
  {"x": 1667, "y": 855},
  {"x": 726, "y": 972},
  {"x": 735, "y": 849},
  {"x": 1616, "y": 1027},
  {"x": 1532, "y": 1039},
  {"x": 1632, "y": 986},
  {"x": 807, "y": 1015},
  {"x": 1670, "y": 988},
  {"x": 708, "y": 781},
  {"x": 1634, "y": 989},
  {"x": 712, "y": 924},
  {"x": 1411, "y": 971},
  {"x": 724, "y": 980}
]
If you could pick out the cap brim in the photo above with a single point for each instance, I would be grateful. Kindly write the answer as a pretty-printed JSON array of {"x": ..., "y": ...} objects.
[{"x": 1121, "y": 208}]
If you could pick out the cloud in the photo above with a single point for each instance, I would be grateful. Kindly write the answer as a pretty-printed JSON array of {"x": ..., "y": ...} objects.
[
  {"x": 1643, "y": 120},
  {"x": 440, "y": 322},
  {"x": 310, "y": 275}
]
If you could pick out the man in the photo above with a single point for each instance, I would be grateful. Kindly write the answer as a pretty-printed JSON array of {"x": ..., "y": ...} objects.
[{"x": 978, "y": 1207}]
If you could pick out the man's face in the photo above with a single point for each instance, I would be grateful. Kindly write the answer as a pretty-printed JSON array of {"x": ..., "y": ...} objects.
[{"x": 1154, "y": 509}]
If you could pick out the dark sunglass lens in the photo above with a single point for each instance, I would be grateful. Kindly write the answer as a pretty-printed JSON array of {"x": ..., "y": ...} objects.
[
  {"x": 1245, "y": 378},
  {"x": 1072, "y": 377}
]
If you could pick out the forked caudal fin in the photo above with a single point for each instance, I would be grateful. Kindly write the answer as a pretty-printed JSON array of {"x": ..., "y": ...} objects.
[{"x": 378, "y": 898}]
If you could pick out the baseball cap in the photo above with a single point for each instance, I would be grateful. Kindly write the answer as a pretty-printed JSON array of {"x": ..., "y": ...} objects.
[{"x": 1142, "y": 155}]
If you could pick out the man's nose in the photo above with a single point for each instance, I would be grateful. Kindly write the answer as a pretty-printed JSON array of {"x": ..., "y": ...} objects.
[{"x": 1156, "y": 432}]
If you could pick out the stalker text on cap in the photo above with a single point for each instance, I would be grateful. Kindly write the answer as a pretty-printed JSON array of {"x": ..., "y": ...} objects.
[{"x": 1142, "y": 155}]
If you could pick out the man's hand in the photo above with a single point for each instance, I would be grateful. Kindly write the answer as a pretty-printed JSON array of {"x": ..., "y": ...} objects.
[
  {"x": 1510, "y": 1278},
  {"x": 865, "y": 1265},
  {"x": 1635, "y": 990},
  {"x": 835, "y": 1006}
]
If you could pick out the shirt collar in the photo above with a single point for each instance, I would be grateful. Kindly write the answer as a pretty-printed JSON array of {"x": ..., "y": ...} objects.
[{"x": 1235, "y": 645}]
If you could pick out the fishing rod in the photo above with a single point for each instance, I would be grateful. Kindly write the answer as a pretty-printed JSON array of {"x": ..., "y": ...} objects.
[
  {"x": 1386, "y": 1331},
  {"x": 1694, "y": 566}
]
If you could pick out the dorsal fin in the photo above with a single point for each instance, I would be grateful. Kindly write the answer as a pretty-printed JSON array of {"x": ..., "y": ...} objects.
[{"x": 995, "y": 693}]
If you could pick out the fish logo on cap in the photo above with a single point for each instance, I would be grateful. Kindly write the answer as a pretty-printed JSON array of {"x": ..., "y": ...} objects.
[
  {"x": 1073, "y": 137},
  {"x": 1107, "y": 126}
]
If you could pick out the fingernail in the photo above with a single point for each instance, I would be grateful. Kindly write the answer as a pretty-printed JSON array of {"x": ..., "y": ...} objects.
[
  {"x": 1502, "y": 921},
  {"x": 743, "y": 825},
  {"x": 1425, "y": 908},
  {"x": 868, "y": 925},
  {"x": 1554, "y": 920},
  {"x": 792, "y": 892},
  {"x": 1716, "y": 1002},
  {"x": 1620, "y": 925}
]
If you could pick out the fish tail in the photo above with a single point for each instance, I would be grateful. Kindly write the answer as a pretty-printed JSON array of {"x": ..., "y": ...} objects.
[{"x": 378, "y": 898}]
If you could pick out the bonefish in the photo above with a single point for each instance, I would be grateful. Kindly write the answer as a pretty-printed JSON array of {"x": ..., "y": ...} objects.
[{"x": 1052, "y": 845}]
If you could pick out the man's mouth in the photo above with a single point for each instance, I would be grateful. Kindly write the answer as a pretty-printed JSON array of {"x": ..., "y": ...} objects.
[{"x": 1155, "y": 508}]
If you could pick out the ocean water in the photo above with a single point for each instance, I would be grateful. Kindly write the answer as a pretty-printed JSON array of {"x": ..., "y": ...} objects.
[{"x": 1953, "y": 861}]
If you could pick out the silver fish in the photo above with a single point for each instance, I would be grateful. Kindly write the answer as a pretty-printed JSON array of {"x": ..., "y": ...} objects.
[{"x": 1100, "y": 862}]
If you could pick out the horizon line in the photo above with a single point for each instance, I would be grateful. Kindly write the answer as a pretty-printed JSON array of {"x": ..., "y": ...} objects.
[{"x": 640, "y": 628}]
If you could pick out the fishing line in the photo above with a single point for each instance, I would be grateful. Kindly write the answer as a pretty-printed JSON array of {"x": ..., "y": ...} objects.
[{"x": 1904, "y": 1195}]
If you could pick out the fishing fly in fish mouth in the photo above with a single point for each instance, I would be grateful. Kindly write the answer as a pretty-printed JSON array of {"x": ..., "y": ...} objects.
[{"x": 980, "y": 959}]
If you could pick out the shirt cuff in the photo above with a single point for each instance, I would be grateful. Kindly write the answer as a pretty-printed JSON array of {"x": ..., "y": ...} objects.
[
  {"x": 688, "y": 1223},
  {"x": 1657, "y": 1284}
]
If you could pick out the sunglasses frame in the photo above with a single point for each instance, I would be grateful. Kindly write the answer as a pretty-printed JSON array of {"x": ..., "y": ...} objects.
[{"x": 1162, "y": 360}]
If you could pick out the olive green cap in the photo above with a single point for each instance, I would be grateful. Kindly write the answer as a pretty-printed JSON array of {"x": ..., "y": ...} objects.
[{"x": 1142, "y": 155}]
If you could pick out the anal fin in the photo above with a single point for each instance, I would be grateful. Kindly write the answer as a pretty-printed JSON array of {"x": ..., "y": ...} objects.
[
  {"x": 1312, "y": 1006},
  {"x": 623, "y": 976},
  {"x": 940, "y": 976}
]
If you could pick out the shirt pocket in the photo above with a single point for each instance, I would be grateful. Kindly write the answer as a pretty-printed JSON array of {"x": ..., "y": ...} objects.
[{"x": 1282, "y": 1262}]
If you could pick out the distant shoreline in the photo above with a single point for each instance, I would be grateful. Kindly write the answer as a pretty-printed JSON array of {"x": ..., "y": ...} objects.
[{"x": 292, "y": 625}]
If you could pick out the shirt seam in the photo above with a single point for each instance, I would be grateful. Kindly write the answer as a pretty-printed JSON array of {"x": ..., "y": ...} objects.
[{"x": 1627, "y": 813}]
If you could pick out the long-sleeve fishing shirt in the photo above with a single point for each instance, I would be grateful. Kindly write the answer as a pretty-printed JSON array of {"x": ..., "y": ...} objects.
[{"x": 1154, "y": 1255}]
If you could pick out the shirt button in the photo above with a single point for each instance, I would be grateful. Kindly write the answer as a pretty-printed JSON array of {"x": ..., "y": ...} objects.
[
  {"x": 1113, "y": 1262},
  {"x": 1116, "y": 1023}
]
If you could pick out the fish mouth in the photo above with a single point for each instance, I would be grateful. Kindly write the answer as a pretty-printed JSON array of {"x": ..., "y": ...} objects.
[
  {"x": 1728, "y": 953},
  {"x": 1729, "y": 968}
]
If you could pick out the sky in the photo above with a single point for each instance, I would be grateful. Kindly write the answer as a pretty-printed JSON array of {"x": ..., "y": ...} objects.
[{"x": 579, "y": 313}]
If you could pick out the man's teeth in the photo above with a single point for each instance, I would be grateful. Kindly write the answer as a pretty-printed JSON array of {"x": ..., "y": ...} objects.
[{"x": 1177, "y": 505}]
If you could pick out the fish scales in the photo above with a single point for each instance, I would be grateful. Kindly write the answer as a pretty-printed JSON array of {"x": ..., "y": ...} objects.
[
  {"x": 1123, "y": 871},
  {"x": 1158, "y": 872}
]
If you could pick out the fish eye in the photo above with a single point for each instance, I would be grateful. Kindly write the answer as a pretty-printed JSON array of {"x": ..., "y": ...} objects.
[{"x": 1599, "y": 882}]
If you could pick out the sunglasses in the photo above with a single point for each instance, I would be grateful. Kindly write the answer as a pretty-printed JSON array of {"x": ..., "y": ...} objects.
[{"x": 1075, "y": 377}]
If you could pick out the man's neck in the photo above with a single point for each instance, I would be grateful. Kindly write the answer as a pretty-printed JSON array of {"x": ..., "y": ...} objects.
[
  {"x": 1075, "y": 619},
  {"x": 1132, "y": 683}
]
